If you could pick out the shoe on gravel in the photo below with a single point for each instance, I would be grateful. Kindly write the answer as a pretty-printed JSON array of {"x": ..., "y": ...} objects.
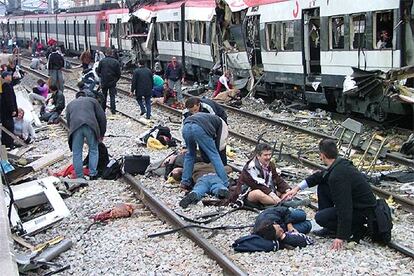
[
  {"x": 223, "y": 193},
  {"x": 142, "y": 113},
  {"x": 191, "y": 198}
]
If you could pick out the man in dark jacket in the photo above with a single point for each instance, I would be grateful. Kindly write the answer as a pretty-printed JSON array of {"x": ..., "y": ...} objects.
[
  {"x": 194, "y": 105},
  {"x": 142, "y": 84},
  {"x": 259, "y": 180},
  {"x": 209, "y": 132},
  {"x": 55, "y": 64},
  {"x": 86, "y": 120},
  {"x": 174, "y": 75},
  {"x": 8, "y": 109},
  {"x": 57, "y": 101},
  {"x": 345, "y": 198},
  {"x": 109, "y": 70}
]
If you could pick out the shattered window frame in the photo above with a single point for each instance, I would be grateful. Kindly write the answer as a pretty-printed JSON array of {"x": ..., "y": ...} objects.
[
  {"x": 376, "y": 30},
  {"x": 337, "y": 26},
  {"x": 288, "y": 32},
  {"x": 203, "y": 32},
  {"x": 271, "y": 36},
  {"x": 175, "y": 31},
  {"x": 358, "y": 28}
]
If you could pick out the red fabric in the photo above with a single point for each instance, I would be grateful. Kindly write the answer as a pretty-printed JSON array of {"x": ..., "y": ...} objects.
[
  {"x": 219, "y": 87},
  {"x": 52, "y": 42},
  {"x": 70, "y": 171}
]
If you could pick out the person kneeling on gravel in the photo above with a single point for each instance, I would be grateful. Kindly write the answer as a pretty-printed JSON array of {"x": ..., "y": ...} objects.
[
  {"x": 51, "y": 116},
  {"x": 259, "y": 181},
  {"x": 345, "y": 198},
  {"x": 206, "y": 182},
  {"x": 285, "y": 225}
]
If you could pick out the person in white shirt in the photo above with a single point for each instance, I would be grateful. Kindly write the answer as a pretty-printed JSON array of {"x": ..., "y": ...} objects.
[{"x": 223, "y": 82}]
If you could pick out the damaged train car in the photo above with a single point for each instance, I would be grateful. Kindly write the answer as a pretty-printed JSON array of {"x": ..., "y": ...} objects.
[{"x": 307, "y": 49}]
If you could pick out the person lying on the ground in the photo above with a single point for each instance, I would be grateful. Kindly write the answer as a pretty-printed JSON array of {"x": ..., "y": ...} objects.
[
  {"x": 288, "y": 227},
  {"x": 40, "y": 92},
  {"x": 58, "y": 99},
  {"x": 345, "y": 198},
  {"x": 228, "y": 96},
  {"x": 259, "y": 179},
  {"x": 206, "y": 182},
  {"x": 23, "y": 128}
]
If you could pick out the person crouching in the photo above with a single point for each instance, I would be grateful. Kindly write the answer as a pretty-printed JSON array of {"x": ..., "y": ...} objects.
[{"x": 86, "y": 120}]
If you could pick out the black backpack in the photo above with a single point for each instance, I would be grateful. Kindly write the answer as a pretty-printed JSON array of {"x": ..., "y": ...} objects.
[
  {"x": 113, "y": 170},
  {"x": 103, "y": 159},
  {"x": 382, "y": 224}
]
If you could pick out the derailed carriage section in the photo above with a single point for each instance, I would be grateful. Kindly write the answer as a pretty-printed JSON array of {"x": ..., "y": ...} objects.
[{"x": 309, "y": 47}]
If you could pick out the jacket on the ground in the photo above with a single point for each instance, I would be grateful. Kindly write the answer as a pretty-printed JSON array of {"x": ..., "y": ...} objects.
[
  {"x": 252, "y": 175},
  {"x": 8, "y": 102},
  {"x": 142, "y": 82},
  {"x": 349, "y": 190},
  {"x": 85, "y": 111},
  {"x": 209, "y": 106},
  {"x": 56, "y": 61},
  {"x": 109, "y": 70}
]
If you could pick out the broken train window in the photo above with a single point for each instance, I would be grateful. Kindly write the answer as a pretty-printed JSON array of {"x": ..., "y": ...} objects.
[
  {"x": 383, "y": 27},
  {"x": 337, "y": 30},
  {"x": 176, "y": 31},
  {"x": 287, "y": 35},
  {"x": 358, "y": 31},
  {"x": 272, "y": 36},
  {"x": 203, "y": 36}
]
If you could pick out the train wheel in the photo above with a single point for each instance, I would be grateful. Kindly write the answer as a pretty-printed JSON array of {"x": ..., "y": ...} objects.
[{"x": 376, "y": 112}]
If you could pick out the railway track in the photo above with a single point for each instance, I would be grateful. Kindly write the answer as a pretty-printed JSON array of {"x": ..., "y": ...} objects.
[
  {"x": 161, "y": 211},
  {"x": 145, "y": 196}
]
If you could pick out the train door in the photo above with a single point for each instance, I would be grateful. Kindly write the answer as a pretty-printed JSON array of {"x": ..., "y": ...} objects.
[
  {"x": 252, "y": 27},
  {"x": 46, "y": 31},
  {"x": 65, "y": 24},
  {"x": 85, "y": 31},
  {"x": 311, "y": 38},
  {"x": 38, "y": 31},
  {"x": 119, "y": 33},
  {"x": 75, "y": 35},
  {"x": 102, "y": 33},
  {"x": 31, "y": 30}
]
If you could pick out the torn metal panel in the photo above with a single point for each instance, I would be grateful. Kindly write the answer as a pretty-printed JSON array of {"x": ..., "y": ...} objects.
[{"x": 36, "y": 193}]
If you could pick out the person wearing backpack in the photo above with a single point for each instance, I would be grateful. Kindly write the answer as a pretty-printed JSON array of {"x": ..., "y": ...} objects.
[
  {"x": 86, "y": 120},
  {"x": 345, "y": 199}
]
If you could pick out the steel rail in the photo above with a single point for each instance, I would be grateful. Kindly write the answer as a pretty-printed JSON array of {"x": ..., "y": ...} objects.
[
  {"x": 166, "y": 213},
  {"x": 163, "y": 212}
]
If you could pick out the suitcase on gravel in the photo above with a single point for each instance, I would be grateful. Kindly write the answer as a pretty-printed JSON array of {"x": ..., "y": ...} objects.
[{"x": 136, "y": 164}]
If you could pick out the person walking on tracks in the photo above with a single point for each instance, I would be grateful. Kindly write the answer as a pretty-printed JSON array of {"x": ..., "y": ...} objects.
[
  {"x": 142, "y": 84},
  {"x": 174, "y": 75},
  {"x": 55, "y": 64},
  {"x": 109, "y": 70},
  {"x": 86, "y": 120},
  {"x": 346, "y": 201},
  {"x": 209, "y": 132}
]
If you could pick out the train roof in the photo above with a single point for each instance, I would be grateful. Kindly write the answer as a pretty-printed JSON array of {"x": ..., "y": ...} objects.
[{"x": 238, "y": 5}]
